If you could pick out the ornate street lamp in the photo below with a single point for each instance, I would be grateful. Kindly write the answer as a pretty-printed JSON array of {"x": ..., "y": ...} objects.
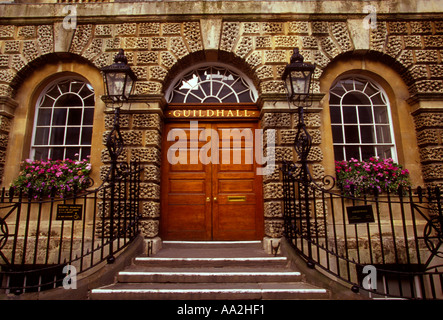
[
  {"x": 119, "y": 79},
  {"x": 119, "y": 82},
  {"x": 297, "y": 77}
]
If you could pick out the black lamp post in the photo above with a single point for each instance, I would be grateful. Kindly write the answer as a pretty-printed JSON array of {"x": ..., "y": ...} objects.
[
  {"x": 297, "y": 77},
  {"x": 119, "y": 82}
]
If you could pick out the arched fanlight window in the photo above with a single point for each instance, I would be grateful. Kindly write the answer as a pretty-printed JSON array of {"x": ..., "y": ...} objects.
[
  {"x": 63, "y": 121},
  {"x": 212, "y": 84},
  {"x": 361, "y": 120}
]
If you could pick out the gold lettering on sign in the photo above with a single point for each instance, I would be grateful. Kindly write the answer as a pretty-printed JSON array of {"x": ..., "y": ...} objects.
[{"x": 211, "y": 113}]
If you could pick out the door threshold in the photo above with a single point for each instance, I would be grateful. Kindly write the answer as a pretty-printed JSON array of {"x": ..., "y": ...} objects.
[{"x": 211, "y": 242}]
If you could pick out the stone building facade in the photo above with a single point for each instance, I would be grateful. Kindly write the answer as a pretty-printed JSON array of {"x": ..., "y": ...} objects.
[{"x": 403, "y": 53}]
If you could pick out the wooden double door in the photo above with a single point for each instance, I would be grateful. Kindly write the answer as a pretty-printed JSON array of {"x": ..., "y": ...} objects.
[{"x": 210, "y": 197}]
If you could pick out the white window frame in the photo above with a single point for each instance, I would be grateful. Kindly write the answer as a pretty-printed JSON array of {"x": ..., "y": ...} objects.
[
  {"x": 51, "y": 126},
  {"x": 180, "y": 80},
  {"x": 385, "y": 99}
]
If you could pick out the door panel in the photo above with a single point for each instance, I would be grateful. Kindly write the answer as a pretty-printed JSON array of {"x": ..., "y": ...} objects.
[
  {"x": 218, "y": 200},
  {"x": 186, "y": 215}
]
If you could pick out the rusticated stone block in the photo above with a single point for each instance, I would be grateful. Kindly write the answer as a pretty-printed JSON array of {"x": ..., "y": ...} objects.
[
  {"x": 275, "y": 56},
  {"x": 273, "y": 209},
  {"x": 273, "y": 175},
  {"x": 274, "y": 228},
  {"x": 273, "y": 86},
  {"x": 150, "y": 191},
  {"x": 147, "y": 57},
  {"x": 153, "y": 138},
  {"x": 149, "y": 228},
  {"x": 152, "y": 173},
  {"x": 428, "y": 120},
  {"x": 429, "y": 136},
  {"x": 433, "y": 171},
  {"x": 299, "y": 27},
  {"x": 244, "y": 47},
  {"x": 230, "y": 34},
  {"x": 192, "y": 35},
  {"x": 123, "y": 121},
  {"x": 149, "y": 28},
  {"x": 251, "y": 27},
  {"x": 273, "y": 190},
  {"x": 315, "y": 154},
  {"x": 276, "y": 120},
  {"x": 148, "y": 87},
  {"x": 151, "y": 209},
  {"x": 149, "y": 154},
  {"x": 429, "y": 154},
  {"x": 254, "y": 60},
  {"x": 146, "y": 121}
]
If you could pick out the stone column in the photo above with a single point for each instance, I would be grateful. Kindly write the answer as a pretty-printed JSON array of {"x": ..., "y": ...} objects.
[
  {"x": 428, "y": 118},
  {"x": 7, "y": 107},
  {"x": 141, "y": 127}
]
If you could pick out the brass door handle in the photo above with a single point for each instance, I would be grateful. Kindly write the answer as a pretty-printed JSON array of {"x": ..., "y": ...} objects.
[
  {"x": 215, "y": 198},
  {"x": 208, "y": 199}
]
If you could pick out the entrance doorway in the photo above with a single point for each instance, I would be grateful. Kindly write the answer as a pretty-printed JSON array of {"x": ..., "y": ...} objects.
[{"x": 210, "y": 197}]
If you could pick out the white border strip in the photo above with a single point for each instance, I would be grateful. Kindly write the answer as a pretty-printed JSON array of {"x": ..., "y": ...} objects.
[{"x": 211, "y": 242}]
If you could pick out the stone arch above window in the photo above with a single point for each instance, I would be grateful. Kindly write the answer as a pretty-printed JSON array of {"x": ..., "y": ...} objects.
[{"x": 211, "y": 84}]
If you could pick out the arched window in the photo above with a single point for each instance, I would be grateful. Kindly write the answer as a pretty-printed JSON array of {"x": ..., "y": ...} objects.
[
  {"x": 211, "y": 84},
  {"x": 361, "y": 120},
  {"x": 63, "y": 121}
]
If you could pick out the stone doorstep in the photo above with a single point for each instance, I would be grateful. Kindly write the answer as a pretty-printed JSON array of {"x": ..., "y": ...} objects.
[
  {"x": 210, "y": 291},
  {"x": 206, "y": 275},
  {"x": 210, "y": 262}
]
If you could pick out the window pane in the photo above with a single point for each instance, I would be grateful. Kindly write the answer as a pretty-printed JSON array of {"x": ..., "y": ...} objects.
[
  {"x": 367, "y": 152},
  {"x": 72, "y": 136},
  {"x": 352, "y": 152},
  {"x": 335, "y": 114},
  {"x": 58, "y": 153},
  {"x": 58, "y": 136},
  {"x": 384, "y": 152},
  {"x": 367, "y": 134},
  {"x": 365, "y": 114},
  {"x": 337, "y": 134},
  {"x": 44, "y": 117},
  {"x": 381, "y": 115},
  {"x": 351, "y": 134},
  {"x": 59, "y": 118},
  {"x": 349, "y": 115},
  {"x": 69, "y": 100},
  {"x": 75, "y": 116},
  {"x": 356, "y": 98},
  {"x": 86, "y": 136},
  {"x": 338, "y": 153},
  {"x": 41, "y": 136},
  {"x": 41, "y": 153},
  {"x": 383, "y": 134},
  {"x": 88, "y": 116},
  {"x": 72, "y": 153},
  {"x": 86, "y": 151}
]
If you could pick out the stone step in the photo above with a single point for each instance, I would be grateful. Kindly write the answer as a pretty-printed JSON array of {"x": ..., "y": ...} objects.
[
  {"x": 216, "y": 275},
  {"x": 209, "y": 291},
  {"x": 210, "y": 262}
]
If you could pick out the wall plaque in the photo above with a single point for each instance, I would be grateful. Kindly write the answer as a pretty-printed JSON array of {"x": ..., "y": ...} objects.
[
  {"x": 69, "y": 212},
  {"x": 360, "y": 214}
]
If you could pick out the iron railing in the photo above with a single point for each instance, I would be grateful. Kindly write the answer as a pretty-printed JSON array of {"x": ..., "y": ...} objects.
[
  {"x": 394, "y": 240},
  {"x": 40, "y": 237}
]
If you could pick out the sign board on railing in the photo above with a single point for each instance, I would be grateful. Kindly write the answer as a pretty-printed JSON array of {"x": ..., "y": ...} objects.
[
  {"x": 69, "y": 212},
  {"x": 360, "y": 214}
]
